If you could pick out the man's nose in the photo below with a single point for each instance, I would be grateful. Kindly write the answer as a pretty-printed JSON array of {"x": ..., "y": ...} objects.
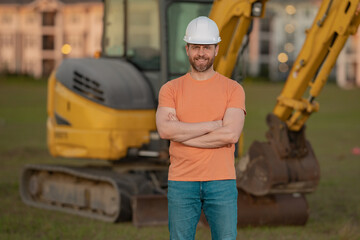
[{"x": 201, "y": 51}]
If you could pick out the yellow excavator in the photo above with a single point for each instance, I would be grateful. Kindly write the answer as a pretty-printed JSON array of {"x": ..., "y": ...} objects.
[{"x": 104, "y": 108}]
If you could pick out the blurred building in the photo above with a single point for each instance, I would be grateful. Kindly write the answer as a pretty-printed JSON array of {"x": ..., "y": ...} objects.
[
  {"x": 35, "y": 35},
  {"x": 277, "y": 40}
]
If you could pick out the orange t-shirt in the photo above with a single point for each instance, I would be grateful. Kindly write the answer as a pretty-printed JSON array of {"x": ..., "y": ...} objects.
[{"x": 201, "y": 101}]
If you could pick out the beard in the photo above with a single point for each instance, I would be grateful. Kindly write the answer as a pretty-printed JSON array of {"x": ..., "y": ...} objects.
[{"x": 201, "y": 67}]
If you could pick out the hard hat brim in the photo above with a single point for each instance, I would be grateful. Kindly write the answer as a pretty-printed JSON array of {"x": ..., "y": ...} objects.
[{"x": 199, "y": 41}]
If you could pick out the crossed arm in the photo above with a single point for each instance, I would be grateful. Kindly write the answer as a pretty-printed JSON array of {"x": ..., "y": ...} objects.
[{"x": 212, "y": 134}]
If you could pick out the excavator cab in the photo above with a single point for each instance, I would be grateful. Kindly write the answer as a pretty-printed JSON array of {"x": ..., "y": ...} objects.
[
  {"x": 104, "y": 108},
  {"x": 149, "y": 35}
]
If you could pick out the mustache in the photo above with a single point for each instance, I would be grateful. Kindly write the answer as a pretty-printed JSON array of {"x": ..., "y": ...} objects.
[{"x": 203, "y": 58}]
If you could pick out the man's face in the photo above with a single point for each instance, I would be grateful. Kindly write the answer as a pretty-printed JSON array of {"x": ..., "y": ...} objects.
[{"x": 201, "y": 56}]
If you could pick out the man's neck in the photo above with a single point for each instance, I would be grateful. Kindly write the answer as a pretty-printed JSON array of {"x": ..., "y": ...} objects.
[{"x": 200, "y": 76}]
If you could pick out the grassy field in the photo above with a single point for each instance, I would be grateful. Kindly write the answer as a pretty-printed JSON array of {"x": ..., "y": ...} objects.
[{"x": 333, "y": 132}]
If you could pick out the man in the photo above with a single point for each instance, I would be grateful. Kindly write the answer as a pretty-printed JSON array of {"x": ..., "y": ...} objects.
[{"x": 202, "y": 114}]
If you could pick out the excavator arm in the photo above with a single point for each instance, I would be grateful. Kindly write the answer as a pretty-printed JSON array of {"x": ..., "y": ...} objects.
[
  {"x": 325, "y": 40},
  {"x": 286, "y": 163},
  {"x": 233, "y": 27},
  {"x": 335, "y": 21}
]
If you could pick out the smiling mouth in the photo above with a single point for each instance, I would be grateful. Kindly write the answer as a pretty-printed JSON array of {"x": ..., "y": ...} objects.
[{"x": 201, "y": 60}]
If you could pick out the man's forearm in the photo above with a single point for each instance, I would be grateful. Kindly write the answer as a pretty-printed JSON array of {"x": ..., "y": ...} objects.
[
  {"x": 222, "y": 137},
  {"x": 180, "y": 131}
]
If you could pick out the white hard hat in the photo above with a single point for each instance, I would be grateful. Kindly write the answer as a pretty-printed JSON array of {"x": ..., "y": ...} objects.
[{"x": 202, "y": 30}]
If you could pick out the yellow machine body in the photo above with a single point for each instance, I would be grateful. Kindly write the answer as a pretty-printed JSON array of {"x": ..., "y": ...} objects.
[{"x": 96, "y": 131}]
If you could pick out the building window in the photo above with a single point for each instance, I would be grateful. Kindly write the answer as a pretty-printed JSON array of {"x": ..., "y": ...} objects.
[
  {"x": 264, "y": 70},
  {"x": 48, "y": 18},
  {"x": 48, "y": 42},
  {"x": 265, "y": 25},
  {"x": 264, "y": 47}
]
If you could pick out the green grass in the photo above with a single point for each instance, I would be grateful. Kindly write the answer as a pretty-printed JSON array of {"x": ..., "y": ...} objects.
[{"x": 333, "y": 132}]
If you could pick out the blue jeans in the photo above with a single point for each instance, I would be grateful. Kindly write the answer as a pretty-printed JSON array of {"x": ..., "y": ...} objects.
[{"x": 218, "y": 199}]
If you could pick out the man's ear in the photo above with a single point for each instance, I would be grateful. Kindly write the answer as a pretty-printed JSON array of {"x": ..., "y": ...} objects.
[
  {"x": 216, "y": 49},
  {"x": 187, "y": 49}
]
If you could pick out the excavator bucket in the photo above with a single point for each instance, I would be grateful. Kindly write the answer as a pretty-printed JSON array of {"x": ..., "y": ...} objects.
[
  {"x": 149, "y": 210},
  {"x": 284, "y": 164}
]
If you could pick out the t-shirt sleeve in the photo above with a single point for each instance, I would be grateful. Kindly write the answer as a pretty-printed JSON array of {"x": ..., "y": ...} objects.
[
  {"x": 237, "y": 97},
  {"x": 166, "y": 95}
]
